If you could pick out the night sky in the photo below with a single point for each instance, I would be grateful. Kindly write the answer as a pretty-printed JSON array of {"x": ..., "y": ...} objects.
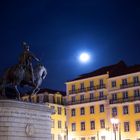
[{"x": 58, "y": 31}]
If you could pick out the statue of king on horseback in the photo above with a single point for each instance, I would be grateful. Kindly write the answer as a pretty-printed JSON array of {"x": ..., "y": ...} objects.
[{"x": 24, "y": 73}]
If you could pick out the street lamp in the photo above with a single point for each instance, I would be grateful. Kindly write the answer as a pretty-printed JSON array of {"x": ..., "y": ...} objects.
[{"x": 115, "y": 123}]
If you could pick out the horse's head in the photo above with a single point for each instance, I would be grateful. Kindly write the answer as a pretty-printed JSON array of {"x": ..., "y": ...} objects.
[{"x": 41, "y": 71}]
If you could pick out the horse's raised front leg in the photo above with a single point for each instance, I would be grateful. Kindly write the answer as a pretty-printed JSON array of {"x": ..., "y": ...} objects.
[
  {"x": 17, "y": 92},
  {"x": 35, "y": 91}
]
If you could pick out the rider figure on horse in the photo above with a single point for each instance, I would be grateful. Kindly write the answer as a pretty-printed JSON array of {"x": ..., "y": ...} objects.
[{"x": 26, "y": 59}]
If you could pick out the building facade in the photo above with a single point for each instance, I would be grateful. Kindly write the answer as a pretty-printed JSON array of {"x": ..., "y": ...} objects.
[
  {"x": 57, "y": 101},
  {"x": 105, "y": 104},
  {"x": 101, "y": 105}
]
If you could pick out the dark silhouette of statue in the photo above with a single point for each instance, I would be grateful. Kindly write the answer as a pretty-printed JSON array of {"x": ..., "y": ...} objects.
[
  {"x": 24, "y": 73},
  {"x": 26, "y": 59}
]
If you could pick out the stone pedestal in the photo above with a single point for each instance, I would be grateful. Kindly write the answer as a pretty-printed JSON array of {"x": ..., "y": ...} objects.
[{"x": 24, "y": 121}]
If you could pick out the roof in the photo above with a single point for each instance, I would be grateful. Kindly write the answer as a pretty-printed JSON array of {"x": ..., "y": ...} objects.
[
  {"x": 114, "y": 70},
  {"x": 51, "y": 91}
]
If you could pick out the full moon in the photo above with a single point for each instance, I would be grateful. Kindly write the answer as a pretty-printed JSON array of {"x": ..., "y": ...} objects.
[{"x": 84, "y": 57}]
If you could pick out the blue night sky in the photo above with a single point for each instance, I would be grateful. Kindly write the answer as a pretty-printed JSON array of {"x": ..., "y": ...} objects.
[{"x": 58, "y": 31}]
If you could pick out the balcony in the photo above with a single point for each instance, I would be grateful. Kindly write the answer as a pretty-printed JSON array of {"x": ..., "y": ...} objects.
[
  {"x": 87, "y": 89},
  {"x": 128, "y": 85},
  {"x": 123, "y": 100},
  {"x": 87, "y": 100}
]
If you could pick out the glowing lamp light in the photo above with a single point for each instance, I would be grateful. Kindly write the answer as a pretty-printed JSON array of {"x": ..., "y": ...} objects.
[
  {"x": 114, "y": 121},
  {"x": 84, "y": 57}
]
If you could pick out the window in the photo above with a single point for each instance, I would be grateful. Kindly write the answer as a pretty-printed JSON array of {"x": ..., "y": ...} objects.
[
  {"x": 101, "y": 82},
  {"x": 114, "y": 96},
  {"x": 102, "y": 108},
  {"x": 137, "y": 93},
  {"x": 82, "y": 86},
  {"x": 114, "y": 111},
  {"x": 91, "y": 84},
  {"x": 137, "y": 108},
  {"x": 73, "y": 112},
  {"x": 59, "y": 124},
  {"x": 52, "y": 135},
  {"x": 82, "y": 126},
  {"x": 125, "y": 109},
  {"x": 82, "y": 97},
  {"x": 125, "y": 95},
  {"x": 91, "y": 109},
  {"x": 126, "y": 126},
  {"x": 124, "y": 81},
  {"x": 73, "y": 99},
  {"x": 92, "y": 125},
  {"x": 102, "y": 137},
  {"x": 46, "y": 98},
  {"x": 53, "y": 124},
  {"x": 59, "y": 110},
  {"x": 113, "y": 84},
  {"x": 58, "y": 100},
  {"x": 137, "y": 125},
  {"x": 101, "y": 94},
  {"x": 102, "y": 123},
  {"x": 73, "y": 127},
  {"x": 59, "y": 137},
  {"x": 91, "y": 96},
  {"x": 93, "y": 138},
  {"x": 73, "y": 87},
  {"x": 82, "y": 110},
  {"x": 65, "y": 111},
  {"x": 136, "y": 79}
]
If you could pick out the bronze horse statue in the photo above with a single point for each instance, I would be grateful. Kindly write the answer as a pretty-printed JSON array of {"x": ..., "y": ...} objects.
[{"x": 18, "y": 75}]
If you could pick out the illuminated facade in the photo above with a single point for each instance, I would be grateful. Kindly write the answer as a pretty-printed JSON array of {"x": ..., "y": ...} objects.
[
  {"x": 56, "y": 100},
  {"x": 96, "y": 98},
  {"x": 101, "y": 105}
]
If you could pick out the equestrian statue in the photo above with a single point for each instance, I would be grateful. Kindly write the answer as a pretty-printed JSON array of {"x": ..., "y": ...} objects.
[{"x": 29, "y": 72}]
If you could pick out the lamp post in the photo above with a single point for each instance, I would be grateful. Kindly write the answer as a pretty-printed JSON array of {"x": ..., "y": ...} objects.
[{"x": 114, "y": 122}]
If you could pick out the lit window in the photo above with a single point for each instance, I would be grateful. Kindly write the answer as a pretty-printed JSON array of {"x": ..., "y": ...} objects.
[
  {"x": 113, "y": 84},
  {"x": 91, "y": 84},
  {"x": 136, "y": 79},
  {"x": 102, "y": 123},
  {"x": 59, "y": 110},
  {"x": 124, "y": 81},
  {"x": 82, "y": 126},
  {"x": 137, "y": 125},
  {"x": 125, "y": 95},
  {"x": 102, "y": 137},
  {"x": 126, "y": 126},
  {"x": 82, "y": 97},
  {"x": 73, "y": 112},
  {"x": 101, "y": 94},
  {"x": 59, "y": 124},
  {"x": 73, "y": 99},
  {"x": 82, "y": 110},
  {"x": 92, "y": 125},
  {"x": 91, "y": 109},
  {"x": 91, "y": 96},
  {"x": 114, "y": 96},
  {"x": 73, "y": 127},
  {"x": 137, "y": 93},
  {"x": 125, "y": 109},
  {"x": 92, "y": 138},
  {"x": 137, "y": 108},
  {"x": 102, "y": 108},
  {"x": 114, "y": 111}
]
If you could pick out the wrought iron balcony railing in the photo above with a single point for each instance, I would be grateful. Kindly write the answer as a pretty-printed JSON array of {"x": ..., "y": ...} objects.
[
  {"x": 87, "y": 100},
  {"x": 87, "y": 89},
  {"x": 123, "y": 100},
  {"x": 132, "y": 84}
]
